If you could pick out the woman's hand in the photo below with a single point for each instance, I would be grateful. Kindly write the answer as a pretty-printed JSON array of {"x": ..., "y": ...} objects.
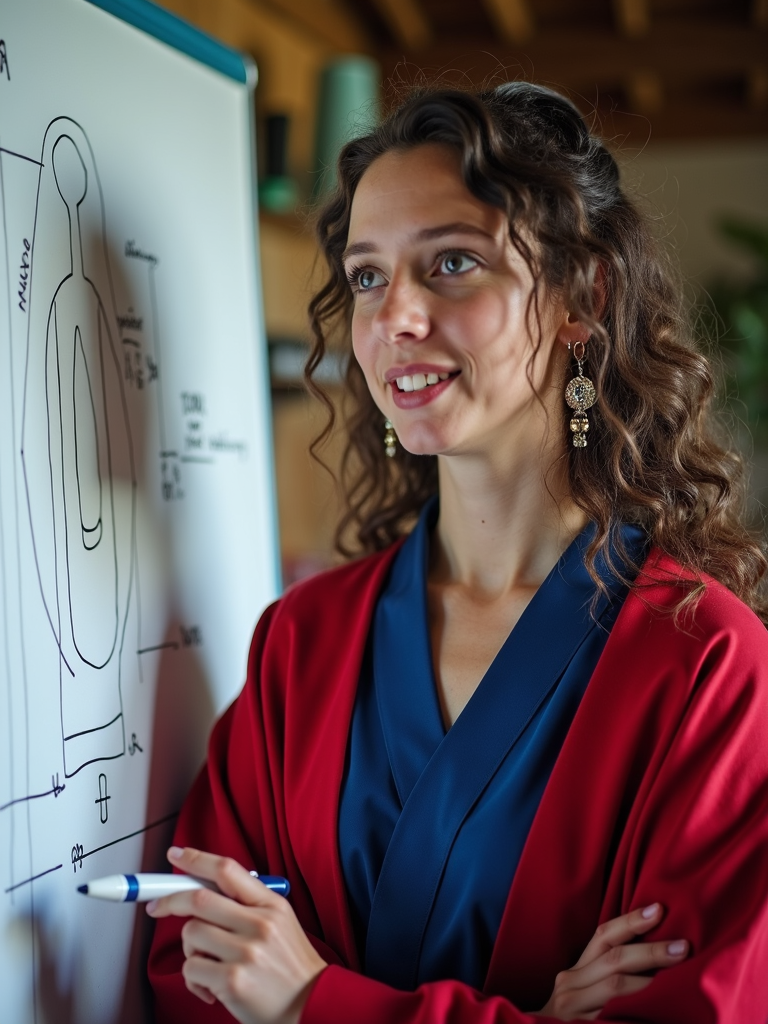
[
  {"x": 243, "y": 946},
  {"x": 612, "y": 965}
]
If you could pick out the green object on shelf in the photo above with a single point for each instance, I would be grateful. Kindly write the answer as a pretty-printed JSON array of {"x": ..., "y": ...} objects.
[
  {"x": 738, "y": 313},
  {"x": 278, "y": 194},
  {"x": 348, "y": 106}
]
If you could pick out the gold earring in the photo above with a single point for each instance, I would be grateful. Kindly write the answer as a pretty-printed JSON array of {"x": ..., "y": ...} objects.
[
  {"x": 580, "y": 394},
  {"x": 390, "y": 439}
]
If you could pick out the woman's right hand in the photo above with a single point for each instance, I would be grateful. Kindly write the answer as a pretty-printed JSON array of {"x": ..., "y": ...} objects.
[{"x": 612, "y": 965}]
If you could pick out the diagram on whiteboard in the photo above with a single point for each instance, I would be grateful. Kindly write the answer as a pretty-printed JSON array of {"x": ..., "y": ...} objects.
[
  {"x": 83, "y": 532},
  {"x": 136, "y": 508}
]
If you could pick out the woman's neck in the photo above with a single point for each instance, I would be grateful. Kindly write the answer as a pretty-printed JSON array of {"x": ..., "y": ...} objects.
[{"x": 504, "y": 522}]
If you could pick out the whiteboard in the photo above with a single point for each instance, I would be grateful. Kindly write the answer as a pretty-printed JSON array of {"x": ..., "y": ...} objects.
[{"x": 137, "y": 522}]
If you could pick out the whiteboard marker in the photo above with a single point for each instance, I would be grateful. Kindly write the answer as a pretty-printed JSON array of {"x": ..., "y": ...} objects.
[{"x": 142, "y": 888}]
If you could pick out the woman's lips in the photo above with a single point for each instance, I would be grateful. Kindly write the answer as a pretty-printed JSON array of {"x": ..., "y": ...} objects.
[{"x": 415, "y": 399}]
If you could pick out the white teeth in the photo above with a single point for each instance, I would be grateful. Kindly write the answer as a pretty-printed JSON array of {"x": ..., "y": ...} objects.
[{"x": 419, "y": 380}]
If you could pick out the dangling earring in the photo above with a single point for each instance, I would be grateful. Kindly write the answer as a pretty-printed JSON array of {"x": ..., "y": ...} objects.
[
  {"x": 390, "y": 439},
  {"x": 580, "y": 395}
]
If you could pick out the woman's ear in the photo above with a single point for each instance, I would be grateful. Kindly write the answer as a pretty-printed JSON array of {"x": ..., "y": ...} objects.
[{"x": 572, "y": 330}]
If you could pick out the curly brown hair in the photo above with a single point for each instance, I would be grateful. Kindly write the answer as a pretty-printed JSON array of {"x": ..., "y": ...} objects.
[{"x": 653, "y": 457}]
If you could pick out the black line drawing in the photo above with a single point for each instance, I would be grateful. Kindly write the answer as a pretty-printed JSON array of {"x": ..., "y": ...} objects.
[
  {"x": 4, "y": 65},
  {"x": 79, "y": 854},
  {"x": 21, "y": 156},
  {"x": 34, "y": 878},
  {"x": 56, "y": 789},
  {"x": 80, "y": 479},
  {"x": 102, "y": 799}
]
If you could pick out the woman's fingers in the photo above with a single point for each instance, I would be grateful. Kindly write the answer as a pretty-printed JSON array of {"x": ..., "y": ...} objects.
[
  {"x": 613, "y": 964},
  {"x": 587, "y": 1003},
  {"x": 230, "y": 877},
  {"x": 200, "y": 938},
  {"x": 198, "y": 990},
  {"x": 621, "y": 930},
  {"x": 636, "y": 958},
  {"x": 201, "y": 903},
  {"x": 229, "y": 907}
]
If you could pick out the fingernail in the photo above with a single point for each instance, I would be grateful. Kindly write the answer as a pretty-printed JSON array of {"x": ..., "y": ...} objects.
[
  {"x": 676, "y": 948},
  {"x": 175, "y": 852},
  {"x": 651, "y": 911},
  {"x": 152, "y": 906}
]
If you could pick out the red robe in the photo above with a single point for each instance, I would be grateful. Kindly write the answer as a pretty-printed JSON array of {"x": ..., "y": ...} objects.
[{"x": 660, "y": 793}]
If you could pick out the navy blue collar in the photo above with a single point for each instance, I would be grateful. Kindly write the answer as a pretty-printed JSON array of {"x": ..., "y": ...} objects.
[{"x": 563, "y": 607}]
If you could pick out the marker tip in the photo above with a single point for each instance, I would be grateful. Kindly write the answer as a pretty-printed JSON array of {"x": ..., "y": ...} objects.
[{"x": 83, "y": 889}]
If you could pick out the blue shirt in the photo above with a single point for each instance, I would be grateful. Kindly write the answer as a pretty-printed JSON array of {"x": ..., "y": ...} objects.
[{"x": 432, "y": 822}]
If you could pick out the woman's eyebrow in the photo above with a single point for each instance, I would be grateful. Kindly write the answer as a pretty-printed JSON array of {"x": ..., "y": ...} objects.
[{"x": 425, "y": 235}]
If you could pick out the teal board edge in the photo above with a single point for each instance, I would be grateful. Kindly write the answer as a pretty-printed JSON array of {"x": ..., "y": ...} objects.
[{"x": 182, "y": 36}]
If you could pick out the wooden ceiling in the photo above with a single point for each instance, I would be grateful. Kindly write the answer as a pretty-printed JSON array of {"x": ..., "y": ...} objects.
[{"x": 651, "y": 69}]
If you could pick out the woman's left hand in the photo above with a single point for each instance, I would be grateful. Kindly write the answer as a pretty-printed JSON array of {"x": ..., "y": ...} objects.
[{"x": 244, "y": 945}]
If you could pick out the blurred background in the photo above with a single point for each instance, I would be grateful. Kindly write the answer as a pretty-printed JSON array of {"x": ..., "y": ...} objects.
[{"x": 678, "y": 88}]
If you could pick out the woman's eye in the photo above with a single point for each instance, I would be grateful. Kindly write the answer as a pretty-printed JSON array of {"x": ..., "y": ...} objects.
[
  {"x": 456, "y": 263},
  {"x": 365, "y": 280}
]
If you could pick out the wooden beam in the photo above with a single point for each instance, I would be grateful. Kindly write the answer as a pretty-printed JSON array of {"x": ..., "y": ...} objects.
[
  {"x": 644, "y": 88},
  {"x": 645, "y": 92},
  {"x": 757, "y": 89},
  {"x": 632, "y": 17},
  {"x": 512, "y": 19},
  {"x": 324, "y": 21},
  {"x": 406, "y": 21},
  {"x": 705, "y": 120},
  {"x": 586, "y": 61}
]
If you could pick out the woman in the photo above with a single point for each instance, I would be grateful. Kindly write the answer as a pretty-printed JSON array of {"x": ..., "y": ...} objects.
[{"x": 541, "y": 714}]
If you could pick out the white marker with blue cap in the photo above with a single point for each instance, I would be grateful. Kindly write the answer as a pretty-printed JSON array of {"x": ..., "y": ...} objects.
[{"x": 145, "y": 887}]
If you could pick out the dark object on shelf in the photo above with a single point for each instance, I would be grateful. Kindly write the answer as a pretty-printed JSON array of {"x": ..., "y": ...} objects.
[{"x": 277, "y": 190}]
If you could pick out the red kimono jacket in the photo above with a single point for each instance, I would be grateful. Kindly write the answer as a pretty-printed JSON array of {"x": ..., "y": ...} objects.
[{"x": 660, "y": 793}]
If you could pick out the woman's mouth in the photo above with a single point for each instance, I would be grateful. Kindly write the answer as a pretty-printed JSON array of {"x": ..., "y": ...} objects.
[
  {"x": 418, "y": 381},
  {"x": 413, "y": 390}
]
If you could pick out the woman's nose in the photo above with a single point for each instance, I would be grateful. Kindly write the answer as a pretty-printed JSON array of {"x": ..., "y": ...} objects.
[{"x": 402, "y": 314}]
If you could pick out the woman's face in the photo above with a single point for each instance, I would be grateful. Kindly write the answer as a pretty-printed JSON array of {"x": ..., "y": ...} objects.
[{"x": 440, "y": 325}]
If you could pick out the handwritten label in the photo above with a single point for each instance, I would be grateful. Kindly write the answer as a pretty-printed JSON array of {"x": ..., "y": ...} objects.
[
  {"x": 134, "y": 368},
  {"x": 24, "y": 276},
  {"x": 171, "y": 478},
  {"x": 134, "y": 253},
  {"x": 4, "y": 65},
  {"x": 56, "y": 786},
  {"x": 191, "y": 636},
  {"x": 192, "y": 403},
  {"x": 130, "y": 322},
  {"x": 222, "y": 443},
  {"x": 194, "y": 408},
  {"x": 77, "y": 856},
  {"x": 134, "y": 745}
]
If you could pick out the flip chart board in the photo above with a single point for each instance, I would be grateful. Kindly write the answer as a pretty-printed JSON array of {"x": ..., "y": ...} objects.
[{"x": 137, "y": 527}]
